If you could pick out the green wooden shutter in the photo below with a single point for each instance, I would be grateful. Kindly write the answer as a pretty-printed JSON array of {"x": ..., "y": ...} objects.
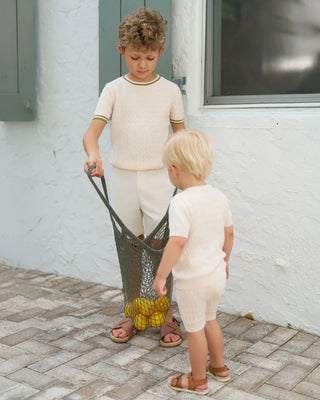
[
  {"x": 111, "y": 12},
  {"x": 17, "y": 60}
]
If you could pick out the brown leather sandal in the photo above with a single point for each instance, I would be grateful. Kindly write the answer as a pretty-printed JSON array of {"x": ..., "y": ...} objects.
[
  {"x": 127, "y": 325},
  {"x": 170, "y": 327},
  {"x": 215, "y": 371},
  {"x": 175, "y": 382}
]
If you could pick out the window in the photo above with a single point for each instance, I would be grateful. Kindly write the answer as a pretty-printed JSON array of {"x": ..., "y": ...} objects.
[
  {"x": 111, "y": 12},
  {"x": 260, "y": 51},
  {"x": 17, "y": 60}
]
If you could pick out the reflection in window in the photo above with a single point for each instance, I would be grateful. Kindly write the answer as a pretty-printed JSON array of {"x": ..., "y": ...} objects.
[{"x": 262, "y": 48}]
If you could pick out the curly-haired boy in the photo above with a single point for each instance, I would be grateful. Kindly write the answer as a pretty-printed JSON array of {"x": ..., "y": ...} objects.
[{"x": 142, "y": 105}]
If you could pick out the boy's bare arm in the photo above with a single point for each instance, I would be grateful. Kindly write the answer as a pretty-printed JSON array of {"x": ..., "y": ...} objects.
[
  {"x": 177, "y": 127},
  {"x": 228, "y": 243},
  {"x": 171, "y": 255},
  {"x": 91, "y": 147}
]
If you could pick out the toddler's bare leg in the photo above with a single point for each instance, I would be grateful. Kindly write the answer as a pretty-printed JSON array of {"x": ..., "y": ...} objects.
[
  {"x": 214, "y": 337},
  {"x": 198, "y": 350}
]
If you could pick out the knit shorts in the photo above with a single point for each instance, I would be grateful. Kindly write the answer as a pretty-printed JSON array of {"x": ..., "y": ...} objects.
[
  {"x": 140, "y": 198},
  {"x": 199, "y": 305}
]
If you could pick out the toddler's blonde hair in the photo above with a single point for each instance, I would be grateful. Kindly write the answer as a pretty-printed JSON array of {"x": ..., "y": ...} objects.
[
  {"x": 191, "y": 151},
  {"x": 144, "y": 29}
]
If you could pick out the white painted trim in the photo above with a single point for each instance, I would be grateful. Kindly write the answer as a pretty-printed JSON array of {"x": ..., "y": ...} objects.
[
  {"x": 265, "y": 105},
  {"x": 195, "y": 78}
]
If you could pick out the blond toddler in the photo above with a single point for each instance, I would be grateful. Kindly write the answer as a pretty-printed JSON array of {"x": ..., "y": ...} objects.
[{"x": 197, "y": 253}]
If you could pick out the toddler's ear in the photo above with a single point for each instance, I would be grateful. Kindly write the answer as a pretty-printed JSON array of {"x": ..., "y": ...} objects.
[{"x": 174, "y": 170}]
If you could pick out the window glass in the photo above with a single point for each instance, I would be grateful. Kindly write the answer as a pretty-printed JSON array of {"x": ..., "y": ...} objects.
[{"x": 263, "y": 48}]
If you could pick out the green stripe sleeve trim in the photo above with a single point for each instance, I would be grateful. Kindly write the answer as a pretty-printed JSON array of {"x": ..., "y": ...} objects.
[
  {"x": 177, "y": 121},
  {"x": 102, "y": 117}
]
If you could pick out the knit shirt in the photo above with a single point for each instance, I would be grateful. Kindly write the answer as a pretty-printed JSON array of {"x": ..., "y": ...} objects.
[
  {"x": 199, "y": 214},
  {"x": 141, "y": 115}
]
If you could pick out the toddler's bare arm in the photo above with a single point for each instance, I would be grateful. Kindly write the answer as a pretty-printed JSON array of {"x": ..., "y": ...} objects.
[
  {"x": 228, "y": 243},
  {"x": 171, "y": 255}
]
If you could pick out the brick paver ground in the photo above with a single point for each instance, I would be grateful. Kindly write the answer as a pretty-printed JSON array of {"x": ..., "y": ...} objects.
[{"x": 54, "y": 344}]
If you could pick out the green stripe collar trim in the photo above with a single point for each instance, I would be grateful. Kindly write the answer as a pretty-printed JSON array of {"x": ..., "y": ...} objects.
[{"x": 141, "y": 83}]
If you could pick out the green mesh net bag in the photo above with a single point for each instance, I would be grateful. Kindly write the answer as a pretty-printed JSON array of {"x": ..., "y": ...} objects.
[{"x": 139, "y": 261}]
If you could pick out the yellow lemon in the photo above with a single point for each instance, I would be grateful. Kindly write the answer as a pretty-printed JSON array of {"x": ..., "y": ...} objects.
[
  {"x": 129, "y": 310},
  {"x": 140, "y": 322},
  {"x": 156, "y": 319},
  {"x": 144, "y": 306},
  {"x": 162, "y": 303}
]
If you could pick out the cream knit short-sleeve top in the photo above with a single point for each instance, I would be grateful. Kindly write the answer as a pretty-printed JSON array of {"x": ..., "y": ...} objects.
[{"x": 140, "y": 115}]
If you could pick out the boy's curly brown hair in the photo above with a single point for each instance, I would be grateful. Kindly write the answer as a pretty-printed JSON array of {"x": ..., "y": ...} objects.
[{"x": 144, "y": 29}]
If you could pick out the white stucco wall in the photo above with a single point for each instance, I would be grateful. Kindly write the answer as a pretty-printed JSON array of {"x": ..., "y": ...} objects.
[
  {"x": 266, "y": 163},
  {"x": 51, "y": 219}
]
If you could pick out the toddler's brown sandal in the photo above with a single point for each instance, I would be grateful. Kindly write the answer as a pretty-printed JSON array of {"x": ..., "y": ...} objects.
[
  {"x": 214, "y": 372},
  {"x": 175, "y": 382}
]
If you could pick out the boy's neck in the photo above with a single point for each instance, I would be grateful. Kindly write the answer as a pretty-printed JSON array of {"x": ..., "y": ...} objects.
[{"x": 132, "y": 78}]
